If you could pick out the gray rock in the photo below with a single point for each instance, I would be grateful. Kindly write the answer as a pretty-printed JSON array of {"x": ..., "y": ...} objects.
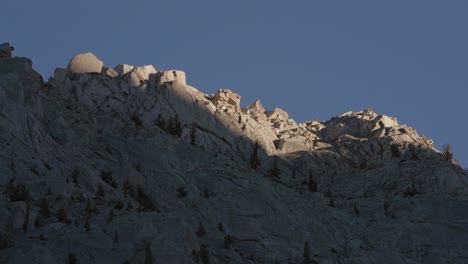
[
  {"x": 60, "y": 74},
  {"x": 18, "y": 210}
]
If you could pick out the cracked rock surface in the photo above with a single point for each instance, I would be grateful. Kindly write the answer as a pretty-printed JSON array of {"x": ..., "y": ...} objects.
[{"x": 133, "y": 165}]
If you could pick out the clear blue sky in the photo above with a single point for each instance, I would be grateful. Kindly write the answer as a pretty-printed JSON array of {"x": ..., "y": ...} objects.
[{"x": 315, "y": 59}]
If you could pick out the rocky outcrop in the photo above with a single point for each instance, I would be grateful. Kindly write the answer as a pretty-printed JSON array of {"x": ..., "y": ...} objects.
[
  {"x": 144, "y": 72},
  {"x": 277, "y": 114},
  {"x": 85, "y": 63},
  {"x": 5, "y": 50},
  {"x": 122, "y": 69},
  {"x": 109, "y": 72},
  {"x": 226, "y": 96},
  {"x": 172, "y": 76},
  {"x": 115, "y": 169}
]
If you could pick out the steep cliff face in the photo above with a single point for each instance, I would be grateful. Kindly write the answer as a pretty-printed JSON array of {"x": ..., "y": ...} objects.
[{"x": 133, "y": 164}]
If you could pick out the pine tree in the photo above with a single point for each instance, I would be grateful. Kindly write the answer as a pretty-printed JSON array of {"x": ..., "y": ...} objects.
[
  {"x": 312, "y": 183},
  {"x": 447, "y": 152},
  {"x": 306, "y": 254},
  {"x": 274, "y": 170},
  {"x": 254, "y": 160},
  {"x": 44, "y": 208},
  {"x": 148, "y": 255}
]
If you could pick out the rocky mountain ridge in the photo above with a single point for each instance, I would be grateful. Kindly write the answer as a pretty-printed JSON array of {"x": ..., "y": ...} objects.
[{"x": 132, "y": 165}]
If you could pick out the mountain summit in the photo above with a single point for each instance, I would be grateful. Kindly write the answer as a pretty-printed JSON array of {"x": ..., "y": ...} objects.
[{"x": 132, "y": 165}]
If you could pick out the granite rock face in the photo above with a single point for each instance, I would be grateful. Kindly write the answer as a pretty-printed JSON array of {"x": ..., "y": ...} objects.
[
  {"x": 122, "y": 69},
  {"x": 172, "y": 76},
  {"x": 109, "y": 72},
  {"x": 226, "y": 96},
  {"x": 106, "y": 168}
]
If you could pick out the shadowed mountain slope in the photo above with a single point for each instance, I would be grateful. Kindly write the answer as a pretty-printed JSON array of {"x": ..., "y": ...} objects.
[{"x": 132, "y": 165}]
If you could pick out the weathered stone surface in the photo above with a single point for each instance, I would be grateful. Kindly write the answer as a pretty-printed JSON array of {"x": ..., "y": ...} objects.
[
  {"x": 172, "y": 76},
  {"x": 109, "y": 72},
  {"x": 287, "y": 146},
  {"x": 226, "y": 96},
  {"x": 6, "y": 222},
  {"x": 18, "y": 210},
  {"x": 143, "y": 72},
  {"x": 382, "y": 121},
  {"x": 18, "y": 81},
  {"x": 133, "y": 80},
  {"x": 277, "y": 113},
  {"x": 17, "y": 64},
  {"x": 257, "y": 106},
  {"x": 158, "y": 163},
  {"x": 85, "y": 63},
  {"x": 60, "y": 74},
  {"x": 122, "y": 69}
]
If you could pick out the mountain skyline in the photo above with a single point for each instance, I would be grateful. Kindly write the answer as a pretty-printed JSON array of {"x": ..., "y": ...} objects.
[
  {"x": 138, "y": 166},
  {"x": 315, "y": 60}
]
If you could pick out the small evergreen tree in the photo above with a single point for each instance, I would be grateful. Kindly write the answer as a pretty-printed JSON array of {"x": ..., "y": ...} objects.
[
  {"x": 119, "y": 205},
  {"x": 137, "y": 121},
  {"x": 447, "y": 152},
  {"x": 148, "y": 255},
  {"x": 254, "y": 160},
  {"x": 17, "y": 192},
  {"x": 395, "y": 151},
  {"x": 26, "y": 217},
  {"x": 62, "y": 215},
  {"x": 193, "y": 137},
  {"x": 386, "y": 207},
  {"x": 72, "y": 259},
  {"x": 201, "y": 230},
  {"x": 88, "y": 210},
  {"x": 110, "y": 216},
  {"x": 87, "y": 226},
  {"x": 356, "y": 210},
  {"x": 177, "y": 130},
  {"x": 44, "y": 208},
  {"x": 100, "y": 192},
  {"x": 106, "y": 176},
  {"x": 227, "y": 241},
  {"x": 37, "y": 222},
  {"x": 146, "y": 204},
  {"x": 127, "y": 187},
  {"x": 181, "y": 192},
  {"x": 116, "y": 237},
  {"x": 274, "y": 170},
  {"x": 411, "y": 191},
  {"x": 312, "y": 183},
  {"x": 205, "y": 259},
  {"x": 306, "y": 254},
  {"x": 75, "y": 175},
  {"x": 161, "y": 122}
]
